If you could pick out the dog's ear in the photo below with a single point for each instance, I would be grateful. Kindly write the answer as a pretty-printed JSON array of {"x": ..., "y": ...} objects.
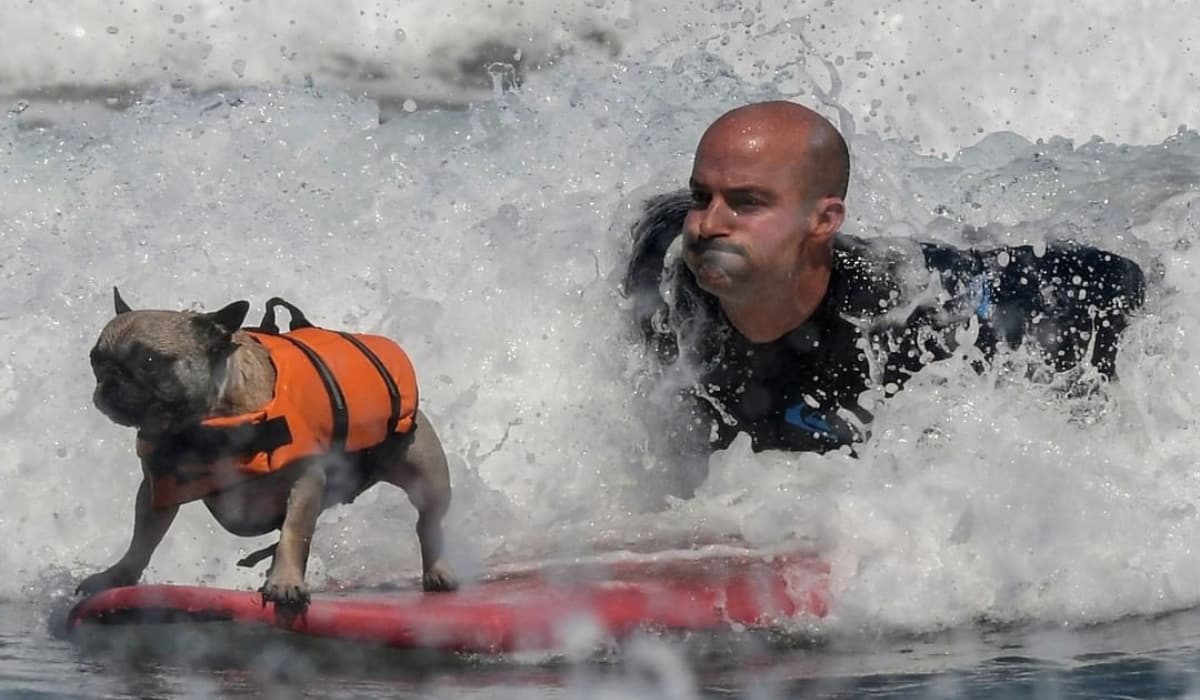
[
  {"x": 230, "y": 318},
  {"x": 119, "y": 303},
  {"x": 218, "y": 326}
]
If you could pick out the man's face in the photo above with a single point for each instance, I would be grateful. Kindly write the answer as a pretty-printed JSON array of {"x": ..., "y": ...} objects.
[{"x": 749, "y": 213}]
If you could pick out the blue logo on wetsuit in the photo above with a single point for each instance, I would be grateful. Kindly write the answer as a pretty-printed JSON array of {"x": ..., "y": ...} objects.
[
  {"x": 981, "y": 294},
  {"x": 804, "y": 416}
]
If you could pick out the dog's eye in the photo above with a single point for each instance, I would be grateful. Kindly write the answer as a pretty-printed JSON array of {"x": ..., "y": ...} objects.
[
  {"x": 153, "y": 362},
  {"x": 148, "y": 360},
  {"x": 154, "y": 357}
]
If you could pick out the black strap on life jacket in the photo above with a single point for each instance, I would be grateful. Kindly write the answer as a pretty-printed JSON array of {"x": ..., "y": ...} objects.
[
  {"x": 205, "y": 444},
  {"x": 384, "y": 374},
  {"x": 298, "y": 321},
  {"x": 268, "y": 324},
  {"x": 337, "y": 398},
  {"x": 251, "y": 560}
]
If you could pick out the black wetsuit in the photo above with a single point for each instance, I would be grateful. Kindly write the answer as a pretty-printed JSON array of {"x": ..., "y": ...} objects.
[{"x": 893, "y": 306}]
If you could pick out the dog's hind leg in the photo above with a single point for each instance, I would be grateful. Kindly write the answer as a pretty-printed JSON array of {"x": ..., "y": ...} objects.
[{"x": 417, "y": 464}]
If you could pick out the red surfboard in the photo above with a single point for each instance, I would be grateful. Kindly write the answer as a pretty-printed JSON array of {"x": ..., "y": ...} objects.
[{"x": 518, "y": 610}]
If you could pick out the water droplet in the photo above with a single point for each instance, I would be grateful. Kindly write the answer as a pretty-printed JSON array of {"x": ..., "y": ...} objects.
[
  {"x": 239, "y": 67},
  {"x": 178, "y": 19},
  {"x": 410, "y": 105},
  {"x": 111, "y": 29},
  {"x": 399, "y": 34}
]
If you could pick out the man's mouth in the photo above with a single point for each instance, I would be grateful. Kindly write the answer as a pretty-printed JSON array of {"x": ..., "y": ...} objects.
[{"x": 699, "y": 247}]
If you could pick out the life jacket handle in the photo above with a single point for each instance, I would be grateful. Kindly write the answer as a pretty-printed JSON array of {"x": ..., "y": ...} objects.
[{"x": 298, "y": 319}]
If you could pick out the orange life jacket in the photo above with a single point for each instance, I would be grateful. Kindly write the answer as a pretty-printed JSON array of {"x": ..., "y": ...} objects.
[{"x": 334, "y": 392}]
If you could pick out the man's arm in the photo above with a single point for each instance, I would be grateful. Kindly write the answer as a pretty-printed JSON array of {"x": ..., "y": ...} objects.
[{"x": 1072, "y": 301}]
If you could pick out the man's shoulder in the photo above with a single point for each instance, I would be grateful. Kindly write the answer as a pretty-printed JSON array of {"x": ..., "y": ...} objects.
[{"x": 874, "y": 277}]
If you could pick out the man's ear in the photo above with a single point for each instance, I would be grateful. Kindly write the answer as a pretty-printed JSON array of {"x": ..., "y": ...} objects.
[{"x": 827, "y": 218}]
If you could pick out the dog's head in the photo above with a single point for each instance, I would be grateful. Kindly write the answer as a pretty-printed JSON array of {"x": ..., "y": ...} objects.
[{"x": 159, "y": 370}]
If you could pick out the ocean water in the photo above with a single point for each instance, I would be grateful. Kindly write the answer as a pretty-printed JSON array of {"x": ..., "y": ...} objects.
[{"x": 462, "y": 176}]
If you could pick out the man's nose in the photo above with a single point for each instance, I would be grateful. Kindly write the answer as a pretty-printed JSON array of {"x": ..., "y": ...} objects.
[{"x": 712, "y": 221}]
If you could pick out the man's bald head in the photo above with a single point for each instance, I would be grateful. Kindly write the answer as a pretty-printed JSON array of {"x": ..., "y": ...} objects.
[
  {"x": 818, "y": 150},
  {"x": 767, "y": 189}
]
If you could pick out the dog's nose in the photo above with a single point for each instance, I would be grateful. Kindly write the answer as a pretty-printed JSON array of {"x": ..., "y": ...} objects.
[{"x": 101, "y": 396}]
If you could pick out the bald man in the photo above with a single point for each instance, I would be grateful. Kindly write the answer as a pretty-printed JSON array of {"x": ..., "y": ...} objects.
[{"x": 782, "y": 326}]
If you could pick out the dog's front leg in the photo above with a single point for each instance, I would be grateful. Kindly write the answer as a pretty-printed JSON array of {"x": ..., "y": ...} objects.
[
  {"x": 150, "y": 524},
  {"x": 285, "y": 582}
]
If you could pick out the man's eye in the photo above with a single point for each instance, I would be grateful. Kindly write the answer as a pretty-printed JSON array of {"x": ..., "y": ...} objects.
[
  {"x": 700, "y": 199},
  {"x": 744, "y": 203}
]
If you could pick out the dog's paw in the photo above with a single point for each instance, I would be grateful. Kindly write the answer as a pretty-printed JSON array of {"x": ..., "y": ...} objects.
[
  {"x": 113, "y": 577},
  {"x": 285, "y": 592},
  {"x": 439, "y": 579}
]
